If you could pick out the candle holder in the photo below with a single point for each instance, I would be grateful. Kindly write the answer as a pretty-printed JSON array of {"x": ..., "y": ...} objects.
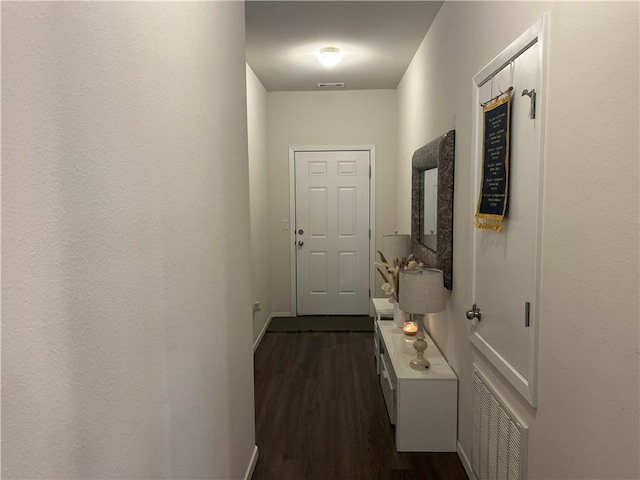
[{"x": 410, "y": 328}]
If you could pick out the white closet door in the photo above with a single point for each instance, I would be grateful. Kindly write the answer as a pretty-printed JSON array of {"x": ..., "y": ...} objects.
[{"x": 506, "y": 264}]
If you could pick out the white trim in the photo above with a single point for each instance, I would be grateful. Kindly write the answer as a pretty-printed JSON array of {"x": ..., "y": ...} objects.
[
  {"x": 538, "y": 33},
  {"x": 292, "y": 229},
  {"x": 256, "y": 343},
  {"x": 520, "y": 383},
  {"x": 292, "y": 213},
  {"x": 372, "y": 227},
  {"x": 509, "y": 54},
  {"x": 543, "y": 62},
  {"x": 273, "y": 315},
  {"x": 465, "y": 462},
  {"x": 252, "y": 463}
]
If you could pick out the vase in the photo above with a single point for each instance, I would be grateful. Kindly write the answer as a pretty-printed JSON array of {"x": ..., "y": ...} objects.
[{"x": 398, "y": 315}]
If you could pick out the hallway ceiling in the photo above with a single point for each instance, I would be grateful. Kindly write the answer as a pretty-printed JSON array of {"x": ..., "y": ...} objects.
[{"x": 377, "y": 38}]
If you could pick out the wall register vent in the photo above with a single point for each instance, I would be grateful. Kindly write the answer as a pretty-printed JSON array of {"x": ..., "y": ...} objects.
[{"x": 499, "y": 439}]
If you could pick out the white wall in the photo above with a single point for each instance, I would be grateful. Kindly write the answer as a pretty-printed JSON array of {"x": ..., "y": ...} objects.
[
  {"x": 586, "y": 424},
  {"x": 259, "y": 199},
  {"x": 126, "y": 316},
  {"x": 364, "y": 117}
]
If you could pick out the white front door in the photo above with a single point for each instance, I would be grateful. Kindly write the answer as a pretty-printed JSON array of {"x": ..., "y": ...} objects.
[{"x": 332, "y": 232}]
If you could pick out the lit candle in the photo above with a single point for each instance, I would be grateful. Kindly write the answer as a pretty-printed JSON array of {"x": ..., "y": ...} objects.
[{"x": 410, "y": 328}]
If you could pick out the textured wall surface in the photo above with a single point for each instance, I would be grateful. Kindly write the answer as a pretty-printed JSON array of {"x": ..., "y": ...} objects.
[
  {"x": 586, "y": 423},
  {"x": 365, "y": 117},
  {"x": 126, "y": 323},
  {"x": 259, "y": 195}
]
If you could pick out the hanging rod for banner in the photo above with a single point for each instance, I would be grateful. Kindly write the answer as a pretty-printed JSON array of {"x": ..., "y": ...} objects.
[{"x": 509, "y": 90}]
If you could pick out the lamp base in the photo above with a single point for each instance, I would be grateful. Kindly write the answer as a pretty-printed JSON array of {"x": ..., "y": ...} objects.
[{"x": 420, "y": 363}]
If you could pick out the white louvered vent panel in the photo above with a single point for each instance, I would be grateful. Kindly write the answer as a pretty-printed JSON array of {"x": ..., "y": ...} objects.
[
  {"x": 499, "y": 438},
  {"x": 477, "y": 395}
]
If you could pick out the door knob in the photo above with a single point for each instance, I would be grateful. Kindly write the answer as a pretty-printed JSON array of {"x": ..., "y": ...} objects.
[
  {"x": 474, "y": 312},
  {"x": 300, "y": 243}
]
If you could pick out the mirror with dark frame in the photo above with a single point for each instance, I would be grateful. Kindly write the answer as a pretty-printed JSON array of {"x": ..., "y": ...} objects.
[{"x": 432, "y": 204}]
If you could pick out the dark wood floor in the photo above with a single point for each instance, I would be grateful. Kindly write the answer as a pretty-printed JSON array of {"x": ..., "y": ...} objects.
[{"x": 320, "y": 413}]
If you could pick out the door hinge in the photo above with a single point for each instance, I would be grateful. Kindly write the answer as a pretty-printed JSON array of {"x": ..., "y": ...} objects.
[
  {"x": 369, "y": 171},
  {"x": 369, "y": 293},
  {"x": 527, "y": 313},
  {"x": 369, "y": 234}
]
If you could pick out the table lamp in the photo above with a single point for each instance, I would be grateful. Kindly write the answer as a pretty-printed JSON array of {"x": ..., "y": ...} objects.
[
  {"x": 421, "y": 292},
  {"x": 395, "y": 246}
]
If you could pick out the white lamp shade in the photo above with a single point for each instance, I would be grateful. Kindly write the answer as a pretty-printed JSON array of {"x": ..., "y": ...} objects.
[
  {"x": 422, "y": 291},
  {"x": 395, "y": 246}
]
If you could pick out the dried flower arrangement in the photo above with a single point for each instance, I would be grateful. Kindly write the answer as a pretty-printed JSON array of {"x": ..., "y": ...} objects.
[{"x": 390, "y": 273}]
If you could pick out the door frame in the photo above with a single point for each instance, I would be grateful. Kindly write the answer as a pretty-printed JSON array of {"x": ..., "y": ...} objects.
[
  {"x": 538, "y": 33},
  {"x": 292, "y": 212}
]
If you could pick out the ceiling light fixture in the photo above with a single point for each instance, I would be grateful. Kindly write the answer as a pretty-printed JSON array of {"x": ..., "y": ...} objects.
[{"x": 329, "y": 56}]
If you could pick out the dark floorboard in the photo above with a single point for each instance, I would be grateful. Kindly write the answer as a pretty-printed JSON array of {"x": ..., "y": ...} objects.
[{"x": 320, "y": 414}]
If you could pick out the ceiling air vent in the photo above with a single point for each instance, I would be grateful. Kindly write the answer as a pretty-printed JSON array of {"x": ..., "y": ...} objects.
[{"x": 331, "y": 85}]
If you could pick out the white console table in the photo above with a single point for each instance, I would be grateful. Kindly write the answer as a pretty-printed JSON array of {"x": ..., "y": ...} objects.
[
  {"x": 421, "y": 404},
  {"x": 383, "y": 308}
]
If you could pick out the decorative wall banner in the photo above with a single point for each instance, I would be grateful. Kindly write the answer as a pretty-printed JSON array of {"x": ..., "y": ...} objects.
[{"x": 494, "y": 192}]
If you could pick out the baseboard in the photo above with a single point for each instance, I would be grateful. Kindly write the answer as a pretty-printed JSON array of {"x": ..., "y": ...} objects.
[
  {"x": 252, "y": 464},
  {"x": 465, "y": 462},
  {"x": 262, "y": 332},
  {"x": 266, "y": 325}
]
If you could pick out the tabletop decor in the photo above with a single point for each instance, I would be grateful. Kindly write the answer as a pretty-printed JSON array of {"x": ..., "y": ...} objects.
[
  {"x": 390, "y": 273},
  {"x": 494, "y": 193},
  {"x": 422, "y": 293},
  {"x": 395, "y": 245}
]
